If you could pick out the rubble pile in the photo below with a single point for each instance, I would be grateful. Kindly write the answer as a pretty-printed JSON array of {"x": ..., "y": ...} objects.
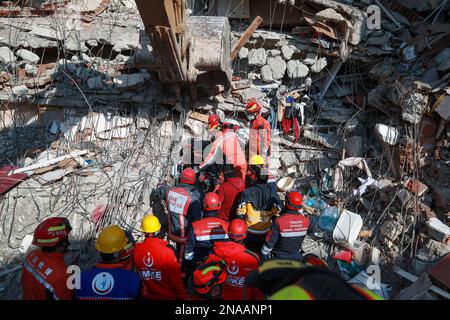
[{"x": 359, "y": 116}]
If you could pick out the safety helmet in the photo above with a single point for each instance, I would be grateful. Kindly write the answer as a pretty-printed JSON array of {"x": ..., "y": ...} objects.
[
  {"x": 237, "y": 230},
  {"x": 111, "y": 240},
  {"x": 150, "y": 224},
  {"x": 188, "y": 176},
  {"x": 256, "y": 160},
  {"x": 253, "y": 107},
  {"x": 51, "y": 232},
  {"x": 293, "y": 200},
  {"x": 213, "y": 121},
  {"x": 126, "y": 253},
  {"x": 212, "y": 202},
  {"x": 208, "y": 277}
]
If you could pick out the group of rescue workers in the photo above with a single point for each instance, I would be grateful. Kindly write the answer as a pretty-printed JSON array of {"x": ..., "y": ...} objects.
[{"x": 235, "y": 240}]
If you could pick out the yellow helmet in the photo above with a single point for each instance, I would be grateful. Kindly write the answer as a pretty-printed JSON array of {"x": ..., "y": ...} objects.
[
  {"x": 256, "y": 160},
  {"x": 150, "y": 224},
  {"x": 111, "y": 240}
]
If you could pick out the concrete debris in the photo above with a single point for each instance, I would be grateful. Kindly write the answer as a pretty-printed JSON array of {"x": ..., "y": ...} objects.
[
  {"x": 296, "y": 69},
  {"x": 359, "y": 119},
  {"x": 28, "y": 56},
  {"x": 257, "y": 57}
]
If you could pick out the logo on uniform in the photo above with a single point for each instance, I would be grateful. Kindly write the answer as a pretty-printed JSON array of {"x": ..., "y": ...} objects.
[
  {"x": 233, "y": 269},
  {"x": 103, "y": 283},
  {"x": 147, "y": 260}
]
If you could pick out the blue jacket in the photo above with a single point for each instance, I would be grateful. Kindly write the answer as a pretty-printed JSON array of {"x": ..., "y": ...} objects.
[{"x": 108, "y": 282}]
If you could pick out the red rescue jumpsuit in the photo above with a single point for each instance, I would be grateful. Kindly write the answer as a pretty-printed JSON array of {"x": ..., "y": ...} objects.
[
  {"x": 44, "y": 277},
  {"x": 229, "y": 193},
  {"x": 228, "y": 143},
  {"x": 240, "y": 262},
  {"x": 259, "y": 137},
  {"x": 159, "y": 270}
]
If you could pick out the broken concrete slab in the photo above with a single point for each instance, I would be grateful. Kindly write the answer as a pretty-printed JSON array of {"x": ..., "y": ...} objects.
[
  {"x": 7, "y": 56},
  {"x": 438, "y": 230},
  {"x": 296, "y": 69},
  {"x": 243, "y": 53},
  {"x": 28, "y": 56},
  {"x": 278, "y": 67},
  {"x": 319, "y": 65},
  {"x": 129, "y": 80},
  {"x": 387, "y": 134},
  {"x": 442, "y": 60},
  {"x": 266, "y": 73},
  {"x": 257, "y": 57},
  {"x": 287, "y": 52},
  {"x": 31, "y": 70}
]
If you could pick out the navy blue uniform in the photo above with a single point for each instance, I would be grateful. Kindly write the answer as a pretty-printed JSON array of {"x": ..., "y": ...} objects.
[{"x": 108, "y": 282}]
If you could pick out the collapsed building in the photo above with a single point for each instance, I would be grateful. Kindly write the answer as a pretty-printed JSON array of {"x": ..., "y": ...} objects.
[{"x": 88, "y": 130}]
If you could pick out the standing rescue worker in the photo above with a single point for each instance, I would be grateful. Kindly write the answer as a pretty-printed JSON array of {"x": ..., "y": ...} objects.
[
  {"x": 207, "y": 280},
  {"x": 260, "y": 131},
  {"x": 257, "y": 205},
  {"x": 109, "y": 280},
  {"x": 184, "y": 207},
  {"x": 239, "y": 261},
  {"x": 206, "y": 231},
  {"x": 157, "y": 265},
  {"x": 225, "y": 149},
  {"x": 285, "y": 238},
  {"x": 230, "y": 192},
  {"x": 44, "y": 273}
]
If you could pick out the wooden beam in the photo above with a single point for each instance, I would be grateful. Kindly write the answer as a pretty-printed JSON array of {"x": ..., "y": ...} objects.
[{"x": 245, "y": 36}]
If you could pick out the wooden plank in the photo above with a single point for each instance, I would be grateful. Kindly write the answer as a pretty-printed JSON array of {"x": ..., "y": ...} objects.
[
  {"x": 413, "y": 278},
  {"x": 47, "y": 163},
  {"x": 245, "y": 37},
  {"x": 199, "y": 116}
]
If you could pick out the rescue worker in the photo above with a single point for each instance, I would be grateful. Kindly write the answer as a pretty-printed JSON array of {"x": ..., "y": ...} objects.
[
  {"x": 224, "y": 149},
  {"x": 44, "y": 273},
  {"x": 257, "y": 205},
  {"x": 239, "y": 261},
  {"x": 184, "y": 207},
  {"x": 109, "y": 280},
  {"x": 206, "y": 231},
  {"x": 157, "y": 265},
  {"x": 126, "y": 256},
  {"x": 286, "y": 235},
  {"x": 207, "y": 280},
  {"x": 293, "y": 280},
  {"x": 229, "y": 193},
  {"x": 260, "y": 131}
]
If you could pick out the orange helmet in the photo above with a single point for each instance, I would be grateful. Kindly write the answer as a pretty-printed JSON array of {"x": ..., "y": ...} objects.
[
  {"x": 209, "y": 276},
  {"x": 253, "y": 107},
  {"x": 188, "y": 176},
  {"x": 213, "y": 121},
  {"x": 212, "y": 202},
  {"x": 293, "y": 200},
  {"x": 51, "y": 232},
  {"x": 237, "y": 230}
]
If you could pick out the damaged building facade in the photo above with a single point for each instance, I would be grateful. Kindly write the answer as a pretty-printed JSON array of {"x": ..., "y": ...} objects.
[{"x": 360, "y": 119}]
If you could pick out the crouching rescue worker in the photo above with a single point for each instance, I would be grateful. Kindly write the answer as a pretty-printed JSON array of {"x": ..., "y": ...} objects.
[
  {"x": 239, "y": 261},
  {"x": 224, "y": 149},
  {"x": 208, "y": 279},
  {"x": 109, "y": 280},
  {"x": 230, "y": 192},
  {"x": 157, "y": 265},
  {"x": 257, "y": 205},
  {"x": 286, "y": 235},
  {"x": 44, "y": 273},
  {"x": 184, "y": 207},
  {"x": 206, "y": 231}
]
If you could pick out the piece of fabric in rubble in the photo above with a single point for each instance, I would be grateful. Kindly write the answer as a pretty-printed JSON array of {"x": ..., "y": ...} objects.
[{"x": 338, "y": 175}]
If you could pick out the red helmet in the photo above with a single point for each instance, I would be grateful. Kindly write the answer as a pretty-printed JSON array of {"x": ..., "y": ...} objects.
[
  {"x": 51, "y": 232},
  {"x": 237, "y": 230},
  {"x": 253, "y": 107},
  {"x": 293, "y": 200},
  {"x": 209, "y": 275},
  {"x": 188, "y": 176},
  {"x": 213, "y": 121},
  {"x": 212, "y": 202}
]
